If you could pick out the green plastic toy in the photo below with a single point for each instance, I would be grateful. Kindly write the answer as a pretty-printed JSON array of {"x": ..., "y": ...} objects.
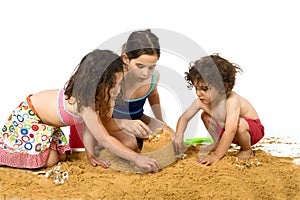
[{"x": 194, "y": 141}]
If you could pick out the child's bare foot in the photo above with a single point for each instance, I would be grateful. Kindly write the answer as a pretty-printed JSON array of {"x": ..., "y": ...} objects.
[{"x": 245, "y": 154}]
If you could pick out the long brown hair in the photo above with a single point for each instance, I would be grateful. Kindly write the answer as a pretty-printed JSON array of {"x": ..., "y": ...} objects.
[{"x": 93, "y": 79}]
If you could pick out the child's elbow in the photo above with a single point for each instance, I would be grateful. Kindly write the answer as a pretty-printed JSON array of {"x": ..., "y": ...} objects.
[{"x": 184, "y": 118}]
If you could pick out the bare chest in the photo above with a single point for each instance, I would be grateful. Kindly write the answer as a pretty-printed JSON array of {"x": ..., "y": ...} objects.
[
  {"x": 218, "y": 113},
  {"x": 137, "y": 90}
]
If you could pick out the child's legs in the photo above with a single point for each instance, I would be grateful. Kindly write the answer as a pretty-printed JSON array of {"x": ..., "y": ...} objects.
[
  {"x": 243, "y": 136},
  {"x": 54, "y": 158},
  {"x": 210, "y": 126},
  {"x": 243, "y": 139},
  {"x": 126, "y": 139}
]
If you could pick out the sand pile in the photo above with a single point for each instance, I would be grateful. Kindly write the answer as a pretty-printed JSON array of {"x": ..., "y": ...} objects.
[{"x": 158, "y": 146}]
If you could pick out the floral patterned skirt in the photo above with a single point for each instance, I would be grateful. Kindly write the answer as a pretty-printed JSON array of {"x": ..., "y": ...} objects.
[{"x": 25, "y": 141}]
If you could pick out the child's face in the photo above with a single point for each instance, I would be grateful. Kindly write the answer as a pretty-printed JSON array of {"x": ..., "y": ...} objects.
[
  {"x": 206, "y": 93},
  {"x": 141, "y": 68}
]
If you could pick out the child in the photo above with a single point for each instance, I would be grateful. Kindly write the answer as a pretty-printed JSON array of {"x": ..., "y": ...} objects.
[
  {"x": 32, "y": 138},
  {"x": 140, "y": 54},
  {"x": 227, "y": 116}
]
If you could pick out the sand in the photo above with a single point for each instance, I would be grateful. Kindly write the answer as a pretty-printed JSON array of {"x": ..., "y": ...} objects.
[
  {"x": 262, "y": 177},
  {"x": 159, "y": 147}
]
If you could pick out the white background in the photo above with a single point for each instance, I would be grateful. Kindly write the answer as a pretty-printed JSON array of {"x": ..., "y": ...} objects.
[{"x": 41, "y": 42}]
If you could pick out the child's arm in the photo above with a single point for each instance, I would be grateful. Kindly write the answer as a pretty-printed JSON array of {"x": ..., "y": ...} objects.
[
  {"x": 182, "y": 124},
  {"x": 136, "y": 127},
  {"x": 89, "y": 144},
  {"x": 231, "y": 125},
  {"x": 154, "y": 102},
  {"x": 98, "y": 131}
]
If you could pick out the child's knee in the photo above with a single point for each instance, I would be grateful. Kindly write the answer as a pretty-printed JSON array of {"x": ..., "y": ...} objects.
[
  {"x": 132, "y": 144},
  {"x": 243, "y": 126},
  {"x": 206, "y": 118},
  {"x": 53, "y": 158},
  {"x": 62, "y": 157}
]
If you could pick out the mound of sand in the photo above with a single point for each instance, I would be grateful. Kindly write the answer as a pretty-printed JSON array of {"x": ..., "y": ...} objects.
[{"x": 158, "y": 146}]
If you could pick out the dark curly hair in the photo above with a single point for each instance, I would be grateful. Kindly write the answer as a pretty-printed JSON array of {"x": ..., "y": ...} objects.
[
  {"x": 215, "y": 71},
  {"x": 92, "y": 80}
]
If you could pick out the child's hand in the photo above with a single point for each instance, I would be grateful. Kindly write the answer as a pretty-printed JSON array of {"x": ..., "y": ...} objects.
[
  {"x": 146, "y": 163},
  {"x": 177, "y": 143},
  {"x": 208, "y": 159},
  {"x": 96, "y": 161},
  {"x": 135, "y": 127}
]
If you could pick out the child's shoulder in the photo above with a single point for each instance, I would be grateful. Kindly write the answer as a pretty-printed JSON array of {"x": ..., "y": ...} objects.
[
  {"x": 156, "y": 74},
  {"x": 234, "y": 97},
  {"x": 233, "y": 94},
  {"x": 46, "y": 93}
]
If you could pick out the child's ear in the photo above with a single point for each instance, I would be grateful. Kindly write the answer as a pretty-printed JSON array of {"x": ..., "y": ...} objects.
[
  {"x": 226, "y": 84},
  {"x": 125, "y": 59}
]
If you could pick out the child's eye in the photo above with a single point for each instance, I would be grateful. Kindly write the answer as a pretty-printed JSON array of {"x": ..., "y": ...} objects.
[{"x": 204, "y": 88}]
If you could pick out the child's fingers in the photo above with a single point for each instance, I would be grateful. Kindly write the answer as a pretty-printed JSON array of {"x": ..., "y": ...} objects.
[
  {"x": 153, "y": 166},
  {"x": 141, "y": 131},
  {"x": 104, "y": 164},
  {"x": 95, "y": 162},
  {"x": 205, "y": 161},
  {"x": 177, "y": 150},
  {"x": 146, "y": 128}
]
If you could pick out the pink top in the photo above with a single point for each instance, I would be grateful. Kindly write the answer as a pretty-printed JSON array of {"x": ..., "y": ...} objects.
[{"x": 65, "y": 115}]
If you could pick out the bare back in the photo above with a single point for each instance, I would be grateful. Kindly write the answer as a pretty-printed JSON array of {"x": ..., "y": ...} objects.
[{"x": 45, "y": 104}]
